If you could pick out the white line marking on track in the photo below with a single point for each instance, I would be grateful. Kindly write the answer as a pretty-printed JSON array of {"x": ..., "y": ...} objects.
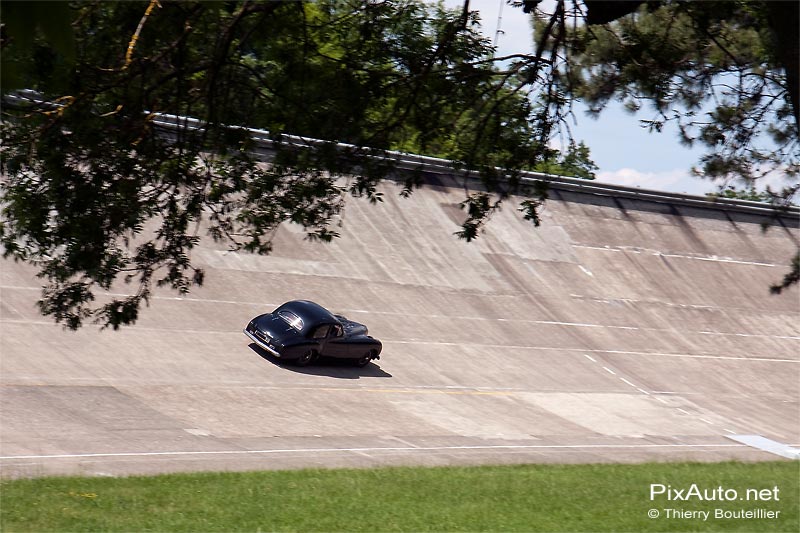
[
  {"x": 374, "y": 449},
  {"x": 628, "y": 382},
  {"x": 590, "y": 358},
  {"x": 609, "y": 370},
  {"x": 237, "y": 332},
  {"x": 603, "y": 248},
  {"x": 168, "y": 298},
  {"x": 658, "y": 253},
  {"x": 607, "y": 352},
  {"x": 268, "y": 305}
]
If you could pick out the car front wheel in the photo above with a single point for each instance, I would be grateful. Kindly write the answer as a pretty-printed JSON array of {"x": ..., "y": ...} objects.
[{"x": 305, "y": 359}]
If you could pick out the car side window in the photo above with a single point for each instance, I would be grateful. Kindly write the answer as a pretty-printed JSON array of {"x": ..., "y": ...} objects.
[
  {"x": 337, "y": 331},
  {"x": 321, "y": 332}
]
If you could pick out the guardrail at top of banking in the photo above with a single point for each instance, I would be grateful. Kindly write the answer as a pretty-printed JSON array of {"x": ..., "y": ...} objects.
[{"x": 414, "y": 162}]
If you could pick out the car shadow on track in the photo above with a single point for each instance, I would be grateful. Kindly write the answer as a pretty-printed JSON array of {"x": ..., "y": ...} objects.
[{"x": 326, "y": 366}]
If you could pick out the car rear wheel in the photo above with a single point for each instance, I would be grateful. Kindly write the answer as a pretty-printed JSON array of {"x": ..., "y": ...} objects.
[
  {"x": 306, "y": 358},
  {"x": 365, "y": 359}
]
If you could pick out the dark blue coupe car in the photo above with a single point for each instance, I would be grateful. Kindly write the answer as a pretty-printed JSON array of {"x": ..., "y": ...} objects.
[{"x": 302, "y": 331}]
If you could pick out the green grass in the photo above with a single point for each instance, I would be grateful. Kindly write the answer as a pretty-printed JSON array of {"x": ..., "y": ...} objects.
[{"x": 495, "y": 498}]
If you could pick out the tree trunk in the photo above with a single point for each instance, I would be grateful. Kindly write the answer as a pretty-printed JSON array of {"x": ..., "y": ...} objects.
[{"x": 784, "y": 23}]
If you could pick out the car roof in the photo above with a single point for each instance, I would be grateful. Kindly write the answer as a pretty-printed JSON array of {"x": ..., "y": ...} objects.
[{"x": 311, "y": 313}]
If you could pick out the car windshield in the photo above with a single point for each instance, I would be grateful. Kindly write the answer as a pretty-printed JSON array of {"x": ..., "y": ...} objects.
[{"x": 292, "y": 319}]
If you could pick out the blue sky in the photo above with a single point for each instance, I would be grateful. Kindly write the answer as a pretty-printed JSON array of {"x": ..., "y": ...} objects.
[{"x": 625, "y": 153}]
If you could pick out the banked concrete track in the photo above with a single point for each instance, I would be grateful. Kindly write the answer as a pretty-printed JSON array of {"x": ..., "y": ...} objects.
[{"x": 621, "y": 330}]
